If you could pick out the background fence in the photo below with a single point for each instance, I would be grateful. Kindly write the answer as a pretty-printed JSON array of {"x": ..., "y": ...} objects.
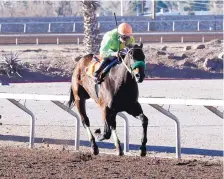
[{"x": 139, "y": 24}]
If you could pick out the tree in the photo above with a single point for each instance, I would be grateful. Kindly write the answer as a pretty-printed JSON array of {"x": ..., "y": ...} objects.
[
  {"x": 216, "y": 6},
  {"x": 108, "y": 8},
  {"x": 91, "y": 30}
]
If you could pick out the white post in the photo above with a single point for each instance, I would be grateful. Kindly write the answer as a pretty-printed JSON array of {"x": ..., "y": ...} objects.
[
  {"x": 148, "y": 26},
  {"x": 73, "y": 30},
  {"x": 121, "y": 7},
  {"x": 37, "y": 42},
  {"x": 198, "y": 26},
  {"x": 161, "y": 39},
  {"x": 173, "y": 26},
  {"x": 177, "y": 125},
  {"x": 215, "y": 111},
  {"x": 32, "y": 121},
  {"x": 126, "y": 132},
  {"x": 16, "y": 41},
  {"x": 140, "y": 39},
  {"x": 57, "y": 41},
  {"x": 24, "y": 28},
  {"x": 182, "y": 39},
  {"x": 203, "y": 39},
  {"x": 77, "y": 135},
  {"x": 49, "y": 27}
]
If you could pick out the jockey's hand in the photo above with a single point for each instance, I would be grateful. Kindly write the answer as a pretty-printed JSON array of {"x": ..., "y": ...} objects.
[{"x": 118, "y": 54}]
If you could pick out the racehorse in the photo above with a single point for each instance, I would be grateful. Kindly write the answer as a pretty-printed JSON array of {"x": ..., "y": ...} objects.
[{"x": 118, "y": 92}]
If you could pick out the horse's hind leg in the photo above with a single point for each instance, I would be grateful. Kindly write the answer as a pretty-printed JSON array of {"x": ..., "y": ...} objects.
[
  {"x": 80, "y": 100},
  {"x": 110, "y": 125},
  {"x": 116, "y": 140}
]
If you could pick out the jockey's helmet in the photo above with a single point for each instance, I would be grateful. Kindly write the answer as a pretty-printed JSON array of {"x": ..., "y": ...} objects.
[{"x": 125, "y": 29}]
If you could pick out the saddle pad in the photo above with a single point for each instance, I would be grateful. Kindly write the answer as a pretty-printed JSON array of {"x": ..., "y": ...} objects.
[{"x": 93, "y": 65}]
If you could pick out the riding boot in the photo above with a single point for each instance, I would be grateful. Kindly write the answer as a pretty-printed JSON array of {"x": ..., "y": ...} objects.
[{"x": 102, "y": 66}]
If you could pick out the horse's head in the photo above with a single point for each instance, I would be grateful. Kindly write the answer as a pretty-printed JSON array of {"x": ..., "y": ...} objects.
[{"x": 136, "y": 59}]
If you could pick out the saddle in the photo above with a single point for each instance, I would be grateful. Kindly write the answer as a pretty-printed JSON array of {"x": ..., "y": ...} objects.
[{"x": 94, "y": 65}]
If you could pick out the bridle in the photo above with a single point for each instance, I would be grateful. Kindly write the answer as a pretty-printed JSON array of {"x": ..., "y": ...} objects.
[{"x": 130, "y": 69}]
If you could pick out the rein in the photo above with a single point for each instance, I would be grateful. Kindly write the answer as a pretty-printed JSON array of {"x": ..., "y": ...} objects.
[{"x": 129, "y": 69}]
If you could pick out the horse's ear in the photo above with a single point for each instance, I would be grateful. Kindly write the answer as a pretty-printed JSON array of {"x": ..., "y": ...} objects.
[{"x": 141, "y": 44}]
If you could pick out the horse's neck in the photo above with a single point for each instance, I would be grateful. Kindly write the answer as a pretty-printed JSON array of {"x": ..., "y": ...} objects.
[{"x": 122, "y": 74}]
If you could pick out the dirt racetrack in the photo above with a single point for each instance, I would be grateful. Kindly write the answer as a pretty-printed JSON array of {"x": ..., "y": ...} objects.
[{"x": 42, "y": 163}]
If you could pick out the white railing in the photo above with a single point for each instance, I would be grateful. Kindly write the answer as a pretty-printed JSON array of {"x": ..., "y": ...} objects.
[
  {"x": 154, "y": 102},
  {"x": 79, "y": 36}
]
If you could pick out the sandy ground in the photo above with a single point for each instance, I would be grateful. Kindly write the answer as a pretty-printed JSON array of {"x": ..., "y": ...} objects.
[
  {"x": 201, "y": 130},
  {"x": 47, "y": 163}
]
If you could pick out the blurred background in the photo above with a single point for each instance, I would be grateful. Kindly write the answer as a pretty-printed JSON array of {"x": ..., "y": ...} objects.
[{"x": 107, "y": 8}]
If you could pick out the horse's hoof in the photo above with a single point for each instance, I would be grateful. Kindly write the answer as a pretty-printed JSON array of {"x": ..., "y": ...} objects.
[
  {"x": 120, "y": 152},
  {"x": 95, "y": 151},
  {"x": 143, "y": 151}
]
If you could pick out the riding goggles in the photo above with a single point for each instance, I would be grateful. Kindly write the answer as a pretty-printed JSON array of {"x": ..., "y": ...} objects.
[{"x": 124, "y": 37}]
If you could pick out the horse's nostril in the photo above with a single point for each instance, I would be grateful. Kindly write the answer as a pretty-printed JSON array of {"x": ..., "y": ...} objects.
[{"x": 137, "y": 75}]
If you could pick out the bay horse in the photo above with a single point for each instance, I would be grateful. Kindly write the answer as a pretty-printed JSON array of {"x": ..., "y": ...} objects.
[{"x": 118, "y": 92}]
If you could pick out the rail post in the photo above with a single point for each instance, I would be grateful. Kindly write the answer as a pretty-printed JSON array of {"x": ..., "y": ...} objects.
[
  {"x": 173, "y": 25},
  {"x": 64, "y": 107},
  {"x": 49, "y": 27},
  {"x": 170, "y": 115},
  {"x": 215, "y": 111},
  {"x": 126, "y": 132},
  {"x": 32, "y": 122},
  {"x": 182, "y": 39},
  {"x": 73, "y": 30},
  {"x": 198, "y": 28},
  {"x": 203, "y": 39},
  {"x": 148, "y": 28},
  {"x": 24, "y": 28}
]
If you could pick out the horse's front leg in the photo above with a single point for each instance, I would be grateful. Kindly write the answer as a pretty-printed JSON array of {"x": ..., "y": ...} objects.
[
  {"x": 107, "y": 124},
  {"x": 116, "y": 140},
  {"x": 144, "y": 120},
  {"x": 136, "y": 111}
]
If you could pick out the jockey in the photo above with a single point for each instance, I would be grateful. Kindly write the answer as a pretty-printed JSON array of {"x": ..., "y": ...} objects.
[{"x": 110, "y": 43}]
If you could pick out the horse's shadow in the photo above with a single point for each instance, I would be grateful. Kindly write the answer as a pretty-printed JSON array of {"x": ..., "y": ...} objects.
[{"x": 108, "y": 145}]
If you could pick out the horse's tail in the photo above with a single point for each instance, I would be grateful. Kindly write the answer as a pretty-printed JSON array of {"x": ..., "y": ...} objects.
[{"x": 71, "y": 98}]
